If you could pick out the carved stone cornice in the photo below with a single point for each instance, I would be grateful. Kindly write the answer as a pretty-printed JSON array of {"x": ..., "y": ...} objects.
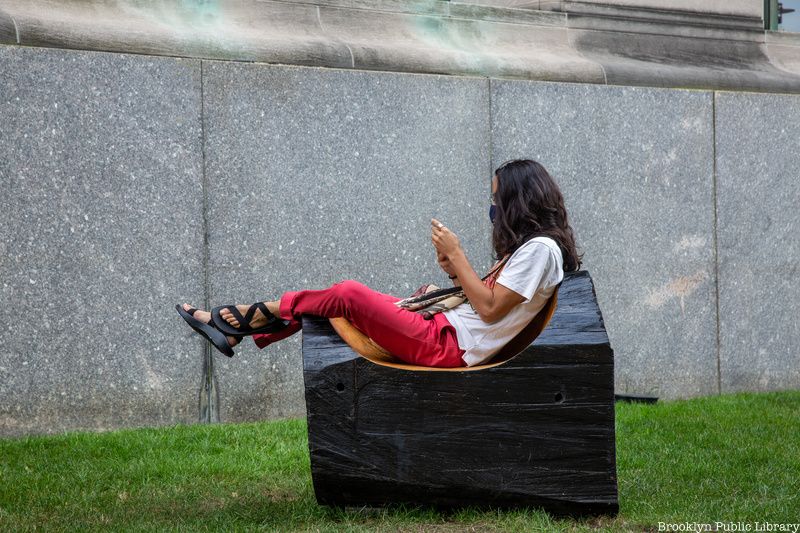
[{"x": 577, "y": 42}]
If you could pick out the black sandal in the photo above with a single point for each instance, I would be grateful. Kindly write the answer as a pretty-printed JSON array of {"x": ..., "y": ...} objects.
[
  {"x": 209, "y": 331},
  {"x": 273, "y": 324}
]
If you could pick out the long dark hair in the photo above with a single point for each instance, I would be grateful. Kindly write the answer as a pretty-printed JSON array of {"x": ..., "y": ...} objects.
[{"x": 530, "y": 204}]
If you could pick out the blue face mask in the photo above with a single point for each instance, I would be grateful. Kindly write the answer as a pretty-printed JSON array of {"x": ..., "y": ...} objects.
[{"x": 492, "y": 212}]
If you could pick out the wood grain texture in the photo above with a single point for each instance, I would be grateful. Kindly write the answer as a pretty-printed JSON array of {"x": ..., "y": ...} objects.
[{"x": 536, "y": 430}]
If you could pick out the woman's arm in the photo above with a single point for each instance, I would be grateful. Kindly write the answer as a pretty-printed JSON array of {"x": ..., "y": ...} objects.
[
  {"x": 444, "y": 262},
  {"x": 491, "y": 304}
]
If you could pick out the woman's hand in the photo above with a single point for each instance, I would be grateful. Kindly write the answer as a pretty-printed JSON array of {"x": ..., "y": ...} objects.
[
  {"x": 444, "y": 262},
  {"x": 444, "y": 240}
]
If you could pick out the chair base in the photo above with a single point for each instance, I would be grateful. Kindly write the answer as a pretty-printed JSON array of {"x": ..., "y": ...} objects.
[{"x": 536, "y": 430}]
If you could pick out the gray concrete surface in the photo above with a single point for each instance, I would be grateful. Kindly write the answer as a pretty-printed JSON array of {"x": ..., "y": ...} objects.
[{"x": 115, "y": 170}]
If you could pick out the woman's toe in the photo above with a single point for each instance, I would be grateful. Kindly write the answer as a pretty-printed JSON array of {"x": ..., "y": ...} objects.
[{"x": 199, "y": 314}]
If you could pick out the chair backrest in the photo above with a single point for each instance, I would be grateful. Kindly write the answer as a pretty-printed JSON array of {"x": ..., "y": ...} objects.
[
  {"x": 524, "y": 338},
  {"x": 369, "y": 349}
]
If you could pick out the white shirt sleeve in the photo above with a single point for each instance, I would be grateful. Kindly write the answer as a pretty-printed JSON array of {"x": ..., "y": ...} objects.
[{"x": 531, "y": 267}]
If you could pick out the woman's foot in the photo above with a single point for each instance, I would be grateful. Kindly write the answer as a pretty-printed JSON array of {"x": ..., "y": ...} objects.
[
  {"x": 205, "y": 316},
  {"x": 258, "y": 319}
]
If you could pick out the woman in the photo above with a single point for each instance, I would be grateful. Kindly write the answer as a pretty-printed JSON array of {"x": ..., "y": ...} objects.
[{"x": 531, "y": 232}]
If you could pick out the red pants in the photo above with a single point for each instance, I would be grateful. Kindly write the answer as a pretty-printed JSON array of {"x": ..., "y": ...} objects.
[{"x": 405, "y": 334}]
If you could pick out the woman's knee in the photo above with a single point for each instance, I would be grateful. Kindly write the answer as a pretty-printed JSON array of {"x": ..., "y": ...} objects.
[
  {"x": 349, "y": 286},
  {"x": 350, "y": 291}
]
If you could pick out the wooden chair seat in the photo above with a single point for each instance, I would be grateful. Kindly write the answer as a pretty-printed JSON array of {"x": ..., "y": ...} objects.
[{"x": 369, "y": 349}]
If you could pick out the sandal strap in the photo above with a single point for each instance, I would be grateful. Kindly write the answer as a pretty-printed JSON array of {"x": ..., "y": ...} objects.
[
  {"x": 238, "y": 316},
  {"x": 266, "y": 312},
  {"x": 244, "y": 321},
  {"x": 249, "y": 314}
]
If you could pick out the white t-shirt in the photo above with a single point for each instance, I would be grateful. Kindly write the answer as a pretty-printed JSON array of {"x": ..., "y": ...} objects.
[{"x": 533, "y": 271}]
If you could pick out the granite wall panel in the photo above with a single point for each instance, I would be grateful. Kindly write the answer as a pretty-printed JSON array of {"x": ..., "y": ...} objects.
[
  {"x": 320, "y": 175},
  {"x": 758, "y": 194},
  {"x": 100, "y": 234},
  {"x": 635, "y": 165}
]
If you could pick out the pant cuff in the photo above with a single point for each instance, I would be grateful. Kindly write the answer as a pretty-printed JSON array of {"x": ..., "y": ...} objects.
[{"x": 285, "y": 307}]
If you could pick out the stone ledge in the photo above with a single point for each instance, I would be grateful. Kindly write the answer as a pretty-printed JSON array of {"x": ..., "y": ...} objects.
[
  {"x": 698, "y": 15},
  {"x": 660, "y": 50}
]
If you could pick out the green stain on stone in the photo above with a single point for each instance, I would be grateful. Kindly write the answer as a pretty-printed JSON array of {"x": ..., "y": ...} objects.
[
  {"x": 458, "y": 37},
  {"x": 182, "y": 15},
  {"x": 202, "y": 11},
  {"x": 199, "y": 24}
]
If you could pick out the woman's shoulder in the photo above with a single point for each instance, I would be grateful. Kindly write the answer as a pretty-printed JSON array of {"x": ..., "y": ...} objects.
[
  {"x": 556, "y": 256},
  {"x": 543, "y": 239}
]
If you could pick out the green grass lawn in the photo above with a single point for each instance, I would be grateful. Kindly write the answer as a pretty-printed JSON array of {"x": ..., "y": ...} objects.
[{"x": 724, "y": 458}]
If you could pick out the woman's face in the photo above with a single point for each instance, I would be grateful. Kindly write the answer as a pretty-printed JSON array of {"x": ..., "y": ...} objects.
[{"x": 493, "y": 207}]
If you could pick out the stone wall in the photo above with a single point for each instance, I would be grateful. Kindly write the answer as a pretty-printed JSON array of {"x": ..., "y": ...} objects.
[{"x": 130, "y": 183}]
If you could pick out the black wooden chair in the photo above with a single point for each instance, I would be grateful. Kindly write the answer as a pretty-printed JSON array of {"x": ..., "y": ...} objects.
[{"x": 532, "y": 427}]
